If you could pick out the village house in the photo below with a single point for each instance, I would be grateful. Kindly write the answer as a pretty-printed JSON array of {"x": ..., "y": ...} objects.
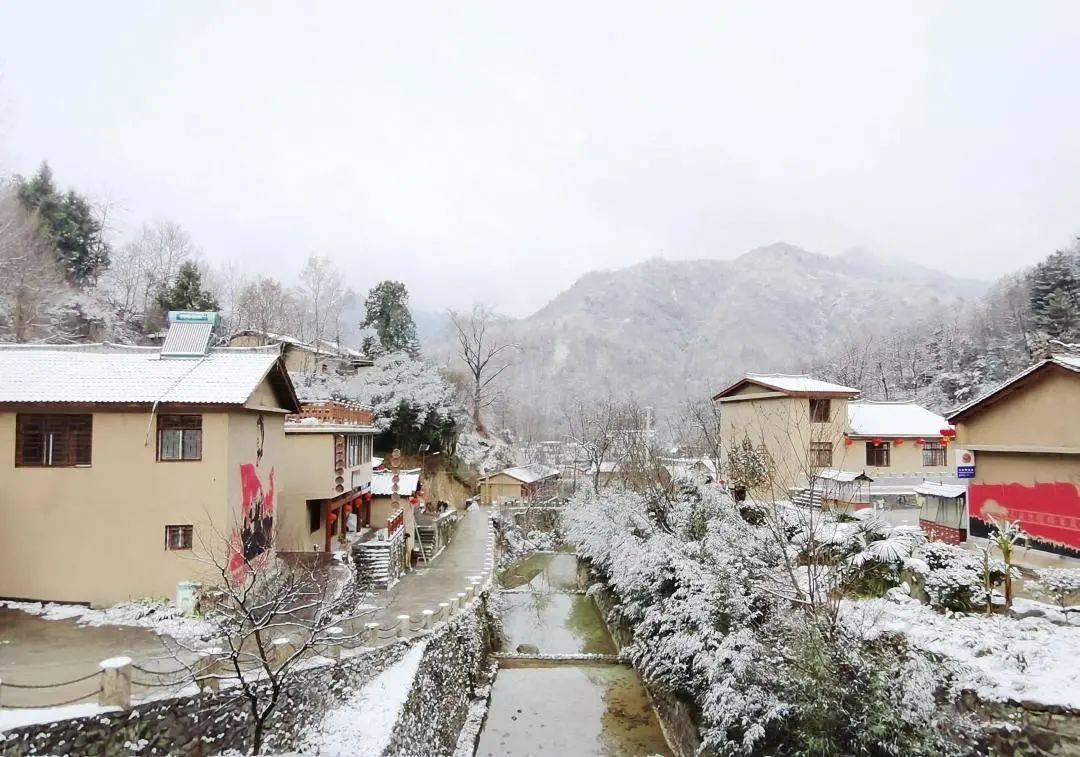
[
  {"x": 328, "y": 450},
  {"x": 317, "y": 356},
  {"x": 1021, "y": 442},
  {"x": 798, "y": 427},
  {"x": 527, "y": 483},
  {"x": 127, "y": 470}
]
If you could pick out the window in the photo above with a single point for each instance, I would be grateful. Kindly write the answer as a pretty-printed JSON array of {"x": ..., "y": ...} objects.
[
  {"x": 877, "y": 457},
  {"x": 821, "y": 454},
  {"x": 178, "y": 537},
  {"x": 933, "y": 453},
  {"x": 314, "y": 515},
  {"x": 355, "y": 450},
  {"x": 179, "y": 437},
  {"x": 820, "y": 411},
  {"x": 358, "y": 449},
  {"x": 53, "y": 441}
]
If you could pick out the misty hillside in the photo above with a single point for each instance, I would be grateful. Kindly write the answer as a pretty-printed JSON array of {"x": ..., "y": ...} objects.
[{"x": 663, "y": 330}]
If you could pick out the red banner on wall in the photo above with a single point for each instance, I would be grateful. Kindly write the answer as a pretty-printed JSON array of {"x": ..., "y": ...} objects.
[{"x": 1050, "y": 512}]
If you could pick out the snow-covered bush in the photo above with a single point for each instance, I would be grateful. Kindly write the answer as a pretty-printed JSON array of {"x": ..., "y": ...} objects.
[
  {"x": 954, "y": 578},
  {"x": 1062, "y": 585},
  {"x": 708, "y": 599}
]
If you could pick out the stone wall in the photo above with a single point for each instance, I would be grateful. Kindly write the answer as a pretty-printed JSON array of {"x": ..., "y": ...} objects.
[
  {"x": 205, "y": 724},
  {"x": 453, "y": 666}
]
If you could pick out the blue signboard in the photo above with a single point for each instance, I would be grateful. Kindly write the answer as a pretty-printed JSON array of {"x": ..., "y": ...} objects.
[{"x": 965, "y": 471}]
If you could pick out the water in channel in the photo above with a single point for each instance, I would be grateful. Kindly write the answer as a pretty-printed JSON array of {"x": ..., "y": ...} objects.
[{"x": 562, "y": 708}]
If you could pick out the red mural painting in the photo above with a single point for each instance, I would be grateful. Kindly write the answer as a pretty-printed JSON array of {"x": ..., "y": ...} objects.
[
  {"x": 1050, "y": 512},
  {"x": 256, "y": 533}
]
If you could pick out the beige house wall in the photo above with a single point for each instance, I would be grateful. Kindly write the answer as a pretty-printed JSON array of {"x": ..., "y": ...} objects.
[
  {"x": 499, "y": 486},
  {"x": 782, "y": 426},
  {"x": 1045, "y": 413},
  {"x": 382, "y": 507},
  {"x": 97, "y": 534},
  {"x": 1025, "y": 468},
  {"x": 310, "y": 460},
  {"x": 905, "y": 459}
]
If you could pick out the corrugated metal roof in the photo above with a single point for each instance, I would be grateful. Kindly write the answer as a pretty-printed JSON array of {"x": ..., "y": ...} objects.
[
  {"x": 935, "y": 489},
  {"x": 109, "y": 373},
  {"x": 382, "y": 483},
  {"x": 842, "y": 476}
]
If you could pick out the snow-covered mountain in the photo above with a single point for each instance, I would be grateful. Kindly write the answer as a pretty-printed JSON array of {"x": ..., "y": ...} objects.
[{"x": 664, "y": 330}]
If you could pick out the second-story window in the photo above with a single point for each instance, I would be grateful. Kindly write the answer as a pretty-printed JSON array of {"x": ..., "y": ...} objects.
[
  {"x": 179, "y": 437},
  {"x": 369, "y": 445},
  {"x": 877, "y": 456},
  {"x": 820, "y": 411},
  {"x": 354, "y": 452},
  {"x": 53, "y": 441}
]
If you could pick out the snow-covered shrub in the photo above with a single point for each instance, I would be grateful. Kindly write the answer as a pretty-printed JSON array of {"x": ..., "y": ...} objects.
[
  {"x": 708, "y": 597},
  {"x": 954, "y": 578},
  {"x": 1062, "y": 585}
]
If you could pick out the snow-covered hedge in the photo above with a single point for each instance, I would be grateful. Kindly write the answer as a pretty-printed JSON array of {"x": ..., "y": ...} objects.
[
  {"x": 1060, "y": 584},
  {"x": 716, "y": 619},
  {"x": 954, "y": 578}
]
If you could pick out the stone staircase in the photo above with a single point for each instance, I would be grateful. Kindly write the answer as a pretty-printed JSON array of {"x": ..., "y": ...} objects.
[{"x": 379, "y": 562}]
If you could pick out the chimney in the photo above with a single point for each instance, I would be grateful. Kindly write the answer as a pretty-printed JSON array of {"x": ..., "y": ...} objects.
[{"x": 189, "y": 333}]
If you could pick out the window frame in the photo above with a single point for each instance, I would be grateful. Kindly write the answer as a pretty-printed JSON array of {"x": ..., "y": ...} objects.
[
  {"x": 935, "y": 447},
  {"x": 184, "y": 530},
  {"x": 820, "y": 402},
  {"x": 886, "y": 448},
  {"x": 179, "y": 418},
  {"x": 354, "y": 450},
  {"x": 817, "y": 448},
  {"x": 77, "y": 443}
]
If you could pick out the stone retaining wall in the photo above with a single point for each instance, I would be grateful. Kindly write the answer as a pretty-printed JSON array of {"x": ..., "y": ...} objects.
[{"x": 204, "y": 724}]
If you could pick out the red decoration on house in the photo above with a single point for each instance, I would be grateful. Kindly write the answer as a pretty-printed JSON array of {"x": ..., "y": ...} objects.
[
  {"x": 348, "y": 507},
  {"x": 948, "y": 432},
  {"x": 899, "y": 442},
  {"x": 945, "y": 440},
  {"x": 413, "y": 500},
  {"x": 876, "y": 442},
  {"x": 331, "y": 518},
  {"x": 920, "y": 442},
  {"x": 848, "y": 441}
]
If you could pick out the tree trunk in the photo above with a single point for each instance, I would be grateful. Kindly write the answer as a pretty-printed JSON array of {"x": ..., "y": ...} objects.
[{"x": 477, "y": 421}]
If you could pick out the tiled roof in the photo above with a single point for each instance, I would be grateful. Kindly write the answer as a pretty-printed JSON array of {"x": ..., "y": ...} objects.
[{"x": 110, "y": 373}]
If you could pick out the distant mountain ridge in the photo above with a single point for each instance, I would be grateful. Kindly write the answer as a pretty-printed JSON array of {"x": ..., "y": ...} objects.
[{"x": 665, "y": 330}]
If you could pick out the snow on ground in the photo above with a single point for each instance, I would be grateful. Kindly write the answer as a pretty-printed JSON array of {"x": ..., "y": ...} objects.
[
  {"x": 362, "y": 726},
  {"x": 998, "y": 656},
  {"x": 17, "y": 718},
  {"x": 158, "y": 616}
]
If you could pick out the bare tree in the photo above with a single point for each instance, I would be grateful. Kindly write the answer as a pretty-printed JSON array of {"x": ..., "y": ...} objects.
[
  {"x": 264, "y": 305},
  {"x": 141, "y": 267},
  {"x": 268, "y": 616},
  {"x": 484, "y": 356},
  {"x": 596, "y": 431},
  {"x": 31, "y": 282},
  {"x": 323, "y": 298}
]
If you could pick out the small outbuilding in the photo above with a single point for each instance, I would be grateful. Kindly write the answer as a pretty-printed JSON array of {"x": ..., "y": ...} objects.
[
  {"x": 528, "y": 483},
  {"x": 943, "y": 511}
]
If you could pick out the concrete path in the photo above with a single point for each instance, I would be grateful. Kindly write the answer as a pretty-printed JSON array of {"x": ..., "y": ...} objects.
[{"x": 424, "y": 588}]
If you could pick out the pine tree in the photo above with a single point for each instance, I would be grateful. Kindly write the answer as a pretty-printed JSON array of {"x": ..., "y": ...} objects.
[
  {"x": 187, "y": 292},
  {"x": 1055, "y": 294},
  {"x": 386, "y": 310},
  {"x": 68, "y": 222}
]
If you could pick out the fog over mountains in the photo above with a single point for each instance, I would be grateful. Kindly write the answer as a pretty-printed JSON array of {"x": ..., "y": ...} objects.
[{"x": 665, "y": 330}]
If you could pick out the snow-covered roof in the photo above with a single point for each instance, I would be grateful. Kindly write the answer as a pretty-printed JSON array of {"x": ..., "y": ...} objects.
[
  {"x": 376, "y": 462},
  {"x": 111, "y": 373},
  {"x": 321, "y": 346},
  {"x": 798, "y": 384},
  {"x": 530, "y": 474},
  {"x": 936, "y": 489},
  {"x": 1066, "y": 361},
  {"x": 873, "y": 418},
  {"x": 382, "y": 483},
  {"x": 842, "y": 476}
]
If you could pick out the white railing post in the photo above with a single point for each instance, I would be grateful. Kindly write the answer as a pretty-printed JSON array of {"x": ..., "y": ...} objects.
[
  {"x": 115, "y": 682},
  {"x": 403, "y": 626},
  {"x": 428, "y": 614},
  {"x": 333, "y": 647}
]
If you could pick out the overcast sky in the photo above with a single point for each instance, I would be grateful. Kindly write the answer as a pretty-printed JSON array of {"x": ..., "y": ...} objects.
[{"x": 498, "y": 151}]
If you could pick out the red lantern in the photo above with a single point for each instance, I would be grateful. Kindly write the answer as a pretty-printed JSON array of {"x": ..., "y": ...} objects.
[
  {"x": 945, "y": 440},
  {"x": 848, "y": 441},
  {"x": 877, "y": 442},
  {"x": 413, "y": 501},
  {"x": 331, "y": 518},
  {"x": 348, "y": 507},
  {"x": 919, "y": 442},
  {"x": 899, "y": 442}
]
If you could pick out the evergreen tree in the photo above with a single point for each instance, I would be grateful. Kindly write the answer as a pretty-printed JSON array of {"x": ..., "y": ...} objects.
[
  {"x": 68, "y": 222},
  {"x": 187, "y": 292},
  {"x": 1055, "y": 294},
  {"x": 386, "y": 310}
]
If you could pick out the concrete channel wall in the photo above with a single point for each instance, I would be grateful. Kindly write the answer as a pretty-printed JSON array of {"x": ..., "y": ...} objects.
[{"x": 676, "y": 717}]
